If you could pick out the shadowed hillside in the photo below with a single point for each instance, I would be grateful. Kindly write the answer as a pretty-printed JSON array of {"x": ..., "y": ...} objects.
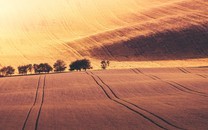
[
  {"x": 177, "y": 31},
  {"x": 120, "y": 30},
  {"x": 168, "y": 45}
]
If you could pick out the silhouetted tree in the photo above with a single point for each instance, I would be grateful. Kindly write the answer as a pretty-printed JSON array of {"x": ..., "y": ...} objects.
[
  {"x": 25, "y": 68},
  {"x": 22, "y": 69},
  {"x": 105, "y": 64},
  {"x": 80, "y": 64},
  {"x": 85, "y": 64},
  {"x": 36, "y": 68},
  {"x": 42, "y": 68},
  {"x": 30, "y": 67},
  {"x": 59, "y": 66},
  {"x": 3, "y": 71},
  {"x": 45, "y": 67},
  {"x": 48, "y": 68},
  {"x": 74, "y": 66},
  {"x": 108, "y": 62},
  {"x": 10, "y": 70},
  {"x": 7, "y": 71}
]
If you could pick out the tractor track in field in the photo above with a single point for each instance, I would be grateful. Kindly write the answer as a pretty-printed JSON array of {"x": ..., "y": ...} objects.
[
  {"x": 41, "y": 106},
  {"x": 35, "y": 103},
  {"x": 151, "y": 117},
  {"x": 203, "y": 76},
  {"x": 137, "y": 71},
  {"x": 188, "y": 88},
  {"x": 188, "y": 72},
  {"x": 184, "y": 70},
  {"x": 36, "y": 96},
  {"x": 173, "y": 84},
  {"x": 185, "y": 89}
]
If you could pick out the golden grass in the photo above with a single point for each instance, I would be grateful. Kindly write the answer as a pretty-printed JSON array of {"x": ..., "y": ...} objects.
[{"x": 34, "y": 32}]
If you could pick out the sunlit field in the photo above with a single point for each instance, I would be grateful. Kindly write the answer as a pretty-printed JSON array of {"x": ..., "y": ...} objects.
[
  {"x": 103, "y": 64},
  {"x": 139, "y": 99},
  {"x": 37, "y": 31}
]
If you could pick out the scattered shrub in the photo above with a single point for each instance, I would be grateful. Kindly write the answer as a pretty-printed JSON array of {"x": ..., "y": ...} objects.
[{"x": 105, "y": 64}]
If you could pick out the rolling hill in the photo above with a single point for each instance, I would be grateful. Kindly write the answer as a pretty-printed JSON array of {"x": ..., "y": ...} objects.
[
  {"x": 158, "y": 52},
  {"x": 139, "y": 33}
]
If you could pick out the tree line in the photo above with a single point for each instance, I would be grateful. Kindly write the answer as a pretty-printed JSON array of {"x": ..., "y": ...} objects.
[{"x": 58, "y": 66}]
